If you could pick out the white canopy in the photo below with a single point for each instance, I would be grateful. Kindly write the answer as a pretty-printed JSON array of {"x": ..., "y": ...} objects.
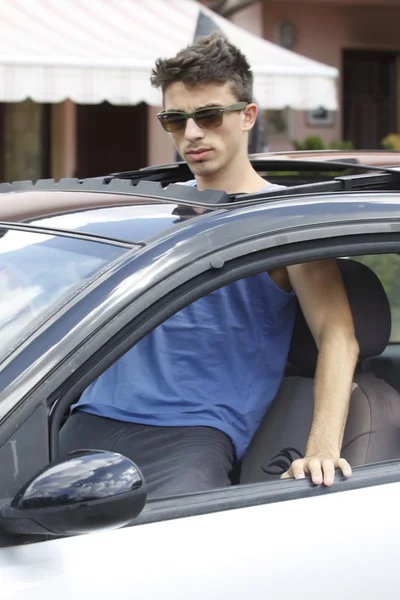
[{"x": 95, "y": 50}]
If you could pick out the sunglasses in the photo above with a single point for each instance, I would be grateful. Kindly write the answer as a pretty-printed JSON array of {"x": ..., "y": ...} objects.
[{"x": 205, "y": 118}]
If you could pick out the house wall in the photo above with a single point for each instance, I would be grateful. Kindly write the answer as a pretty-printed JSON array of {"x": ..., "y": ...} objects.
[
  {"x": 324, "y": 29},
  {"x": 63, "y": 140}
]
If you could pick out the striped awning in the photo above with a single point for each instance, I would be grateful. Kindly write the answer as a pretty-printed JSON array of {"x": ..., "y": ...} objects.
[{"x": 95, "y": 50}]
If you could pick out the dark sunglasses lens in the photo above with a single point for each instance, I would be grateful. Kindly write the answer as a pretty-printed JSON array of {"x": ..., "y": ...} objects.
[
  {"x": 173, "y": 122},
  {"x": 209, "y": 119}
]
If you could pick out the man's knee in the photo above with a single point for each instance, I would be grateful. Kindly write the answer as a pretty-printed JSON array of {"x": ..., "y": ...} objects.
[
  {"x": 202, "y": 476},
  {"x": 194, "y": 472}
]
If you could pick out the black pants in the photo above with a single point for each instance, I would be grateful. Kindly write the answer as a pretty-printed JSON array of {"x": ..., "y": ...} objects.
[{"x": 173, "y": 460}]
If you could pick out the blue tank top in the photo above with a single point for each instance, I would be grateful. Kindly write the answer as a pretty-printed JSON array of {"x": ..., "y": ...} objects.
[{"x": 216, "y": 363}]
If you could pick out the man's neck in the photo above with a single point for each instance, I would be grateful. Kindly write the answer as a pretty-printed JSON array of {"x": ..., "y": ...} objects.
[{"x": 234, "y": 181}]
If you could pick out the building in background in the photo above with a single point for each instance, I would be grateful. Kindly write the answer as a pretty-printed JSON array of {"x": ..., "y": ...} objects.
[
  {"x": 66, "y": 138},
  {"x": 358, "y": 37},
  {"x": 75, "y": 90}
]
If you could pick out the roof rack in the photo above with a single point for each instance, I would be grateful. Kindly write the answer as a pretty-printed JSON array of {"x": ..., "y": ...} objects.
[
  {"x": 175, "y": 193},
  {"x": 382, "y": 178},
  {"x": 377, "y": 178},
  {"x": 179, "y": 171},
  {"x": 387, "y": 181}
]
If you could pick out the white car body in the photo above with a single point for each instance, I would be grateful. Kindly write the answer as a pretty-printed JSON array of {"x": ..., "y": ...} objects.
[
  {"x": 329, "y": 546},
  {"x": 279, "y": 540}
]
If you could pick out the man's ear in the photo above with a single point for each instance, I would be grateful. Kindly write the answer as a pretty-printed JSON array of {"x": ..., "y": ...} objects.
[{"x": 249, "y": 116}]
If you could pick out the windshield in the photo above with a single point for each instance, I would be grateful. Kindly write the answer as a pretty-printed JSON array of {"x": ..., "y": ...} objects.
[{"x": 37, "y": 271}]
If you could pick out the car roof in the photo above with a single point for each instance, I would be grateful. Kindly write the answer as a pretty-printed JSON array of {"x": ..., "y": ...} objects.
[
  {"x": 376, "y": 158},
  {"x": 136, "y": 205},
  {"x": 372, "y": 158},
  {"x": 30, "y": 205}
]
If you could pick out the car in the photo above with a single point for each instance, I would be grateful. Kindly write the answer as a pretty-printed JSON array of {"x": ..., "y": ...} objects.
[
  {"x": 372, "y": 158},
  {"x": 87, "y": 269}
]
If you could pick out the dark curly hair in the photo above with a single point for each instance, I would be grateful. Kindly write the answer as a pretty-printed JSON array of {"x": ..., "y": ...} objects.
[{"x": 211, "y": 59}]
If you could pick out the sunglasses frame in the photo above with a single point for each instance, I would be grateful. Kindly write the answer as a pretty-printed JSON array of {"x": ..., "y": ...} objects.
[{"x": 237, "y": 106}]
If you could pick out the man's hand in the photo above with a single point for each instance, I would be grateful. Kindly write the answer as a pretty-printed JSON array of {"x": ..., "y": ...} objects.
[
  {"x": 320, "y": 467},
  {"x": 322, "y": 296}
]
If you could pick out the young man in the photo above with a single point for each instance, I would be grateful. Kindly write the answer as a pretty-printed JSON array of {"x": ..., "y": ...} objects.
[{"x": 186, "y": 400}]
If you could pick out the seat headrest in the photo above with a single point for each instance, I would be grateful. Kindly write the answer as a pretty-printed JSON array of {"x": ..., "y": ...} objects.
[{"x": 371, "y": 314}]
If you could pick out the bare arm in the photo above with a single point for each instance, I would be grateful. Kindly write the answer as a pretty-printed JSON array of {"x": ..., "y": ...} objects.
[{"x": 320, "y": 291}]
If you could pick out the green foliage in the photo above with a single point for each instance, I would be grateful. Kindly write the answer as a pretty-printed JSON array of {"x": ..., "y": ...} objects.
[
  {"x": 391, "y": 142},
  {"x": 340, "y": 145},
  {"x": 387, "y": 267},
  {"x": 314, "y": 142}
]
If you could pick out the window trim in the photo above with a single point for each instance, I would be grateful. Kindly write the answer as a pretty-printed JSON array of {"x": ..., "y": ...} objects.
[
  {"x": 68, "y": 233},
  {"x": 65, "y": 301},
  {"x": 270, "y": 492},
  {"x": 187, "y": 290},
  {"x": 187, "y": 293}
]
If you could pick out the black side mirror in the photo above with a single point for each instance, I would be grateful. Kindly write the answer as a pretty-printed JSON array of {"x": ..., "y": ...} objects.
[{"x": 88, "y": 491}]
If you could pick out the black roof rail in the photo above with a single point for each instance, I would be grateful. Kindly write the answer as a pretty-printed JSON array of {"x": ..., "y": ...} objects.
[
  {"x": 148, "y": 189},
  {"x": 181, "y": 171},
  {"x": 387, "y": 181},
  {"x": 382, "y": 178}
]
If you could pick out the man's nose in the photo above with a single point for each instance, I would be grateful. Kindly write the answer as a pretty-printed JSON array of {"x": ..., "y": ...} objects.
[{"x": 193, "y": 131}]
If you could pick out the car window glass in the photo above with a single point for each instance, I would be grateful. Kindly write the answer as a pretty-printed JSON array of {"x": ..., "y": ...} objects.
[
  {"x": 192, "y": 367},
  {"x": 37, "y": 271},
  {"x": 134, "y": 223},
  {"x": 387, "y": 268}
]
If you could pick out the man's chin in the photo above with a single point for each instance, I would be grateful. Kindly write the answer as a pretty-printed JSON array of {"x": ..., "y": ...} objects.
[{"x": 202, "y": 169}]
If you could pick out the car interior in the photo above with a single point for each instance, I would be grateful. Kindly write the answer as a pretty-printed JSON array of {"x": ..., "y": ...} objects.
[{"x": 372, "y": 431}]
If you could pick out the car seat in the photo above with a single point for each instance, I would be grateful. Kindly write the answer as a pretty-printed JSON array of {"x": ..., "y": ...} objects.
[{"x": 372, "y": 431}]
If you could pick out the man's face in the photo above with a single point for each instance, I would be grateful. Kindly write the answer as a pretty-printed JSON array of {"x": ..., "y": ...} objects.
[{"x": 207, "y": 151}]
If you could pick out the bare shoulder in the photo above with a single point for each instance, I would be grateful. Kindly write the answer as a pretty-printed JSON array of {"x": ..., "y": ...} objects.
[
  {"x": 280, "y": 277},
  {"x": 313, "y": 275}
]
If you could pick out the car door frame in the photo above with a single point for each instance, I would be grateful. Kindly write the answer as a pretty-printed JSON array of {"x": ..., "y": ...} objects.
[
  {"x": 248, "y": 494},
  {"x": 218, "y": 266},
  {"x": 178, "y": 255}
]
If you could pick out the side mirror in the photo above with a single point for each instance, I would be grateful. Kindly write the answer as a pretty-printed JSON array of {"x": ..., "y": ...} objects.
[{"x": 88, "y": 491}]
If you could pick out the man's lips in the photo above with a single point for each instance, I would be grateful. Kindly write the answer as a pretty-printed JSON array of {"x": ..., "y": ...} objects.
[{"x": 199, "y": 154}]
